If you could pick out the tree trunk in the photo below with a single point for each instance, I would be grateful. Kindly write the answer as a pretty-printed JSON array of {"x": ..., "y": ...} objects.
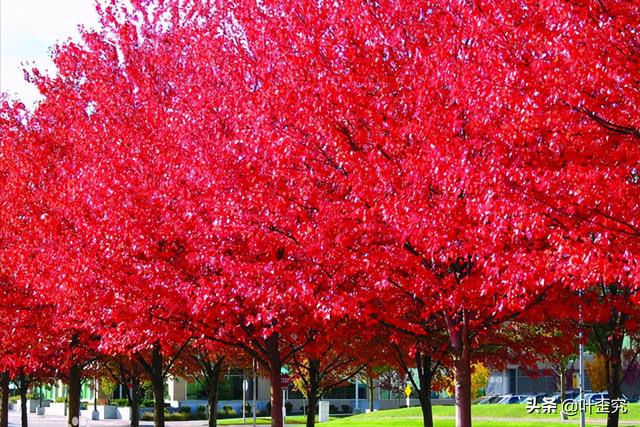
[
  {"x": 563, "y": 387},
  {"x": 75, "y": 388},
  {"x": 275, "y": 369},
  {"x": 427, "y": 412},
  {"x": 4, "y": 407},
  {"x": 277, "y": 417},
  {"x": 155, "y": 373},
  {"x": 425, "y": 377},
  {"x": 459, "y": 338},
  {"x": 311, "y": 413},
  {"x": 134, "y": 401},
  {"x": 457, "y": 326},
  {"x": 371, "y": 387},
  {"x": 157, "y": 386},
  {"x": 463, "y": 389},
  {"x": 24, "y": 411},
  {"x": 313, "y": 394},
  {"x": 212, "y": 395},
  {"x": 614, "y": 379}
]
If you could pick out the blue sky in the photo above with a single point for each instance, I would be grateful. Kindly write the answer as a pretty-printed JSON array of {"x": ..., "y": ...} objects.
[{"x": 28, "y": 28}]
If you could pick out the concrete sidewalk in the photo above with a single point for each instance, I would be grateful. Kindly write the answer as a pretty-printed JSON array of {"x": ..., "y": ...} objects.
[{"x": 57, "y": 421}]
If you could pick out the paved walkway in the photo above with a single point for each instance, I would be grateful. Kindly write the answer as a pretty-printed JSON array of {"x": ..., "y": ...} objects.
[{"x": 58, "y": 421}]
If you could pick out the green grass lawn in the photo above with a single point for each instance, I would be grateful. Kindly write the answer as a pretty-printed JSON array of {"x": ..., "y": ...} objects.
[
  {"x": 412, "y": 417},
  {"x": 400, "y": 422},
  {"x": 501, "y": 411}
]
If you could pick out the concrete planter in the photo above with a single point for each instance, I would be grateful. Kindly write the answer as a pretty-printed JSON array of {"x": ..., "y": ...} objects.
[
  {"x": 32, "y": 405},
  {"x": 323, "y": 411},
  {"x": 108, "y": 412},
  {"x": 123, "y": 413},
  {"x": 105, "y": 412},
  {"x": 57, "y": 409}
]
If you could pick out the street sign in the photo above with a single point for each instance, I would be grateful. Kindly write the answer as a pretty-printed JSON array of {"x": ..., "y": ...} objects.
[
  {"x": 285, "y": 380},
  {"x": 407, "y": 390}
]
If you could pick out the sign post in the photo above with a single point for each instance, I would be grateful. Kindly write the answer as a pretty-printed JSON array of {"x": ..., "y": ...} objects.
[
  {"x": 245, "y": 387},
  {"x": 285, "y": 380},
  {"x": 407, "y": 392}
]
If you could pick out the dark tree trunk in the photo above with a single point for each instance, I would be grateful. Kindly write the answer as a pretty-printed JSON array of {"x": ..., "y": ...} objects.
[
  {"x": 277, "y": 417},
  {"x": 311, "y": 413},
  {"x": 314, "y": 393},
  {"x": 211, "y": 370},
  {"x": 614, "y": 377},
  {"x": 4, "y": 406},
  {"x": 24, "y": 411},
  {"x": 371, "y": 387},
  {"x": 133, "y": 395},
  {"x": 157, "y": 386},
  {"x": 275, "y": 368},
  {"x": 425, "y": 378},
  {"x": 155, "y": 371},
  {"x": 75, "y": 387},
  {"x": 213, "y": 382}
]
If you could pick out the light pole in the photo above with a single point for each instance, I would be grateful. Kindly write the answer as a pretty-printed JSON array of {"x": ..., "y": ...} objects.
[
  {"x": 95, "y": 415},
  {"x": 245, "y": 386},
  {"x": 356, "y": 410}
]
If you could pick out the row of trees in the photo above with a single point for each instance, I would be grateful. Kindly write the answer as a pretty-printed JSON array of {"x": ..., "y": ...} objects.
[{"x": 319, "y": 185}]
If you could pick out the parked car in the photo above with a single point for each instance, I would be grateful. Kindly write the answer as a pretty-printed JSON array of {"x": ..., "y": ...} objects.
[
  {"x": 596, "y": 398},
  {"x": 537, "y": 398},
  {"x": 512, "y": 399},
  {"x": 568, "y": 395},
  {"x": 485, "y": 400}
]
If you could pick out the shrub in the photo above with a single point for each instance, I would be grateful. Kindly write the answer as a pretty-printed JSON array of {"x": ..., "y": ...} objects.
[
  {"x": 228, "y": 410},
  {"x": 333, "y": 409},
  {"x": 61, "y": 400},
  {"x": 346, "y": 408},
  {"x": 147, "y": 416},
  {"x": 201, "y": 408},
  {"x": 184, "y": 409},
  {"x": 120, "y": 402},
  {"x": 14, "y": 399},
  {"x": 146, "y": 403},
  {"x": 177, "y": 416}
]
